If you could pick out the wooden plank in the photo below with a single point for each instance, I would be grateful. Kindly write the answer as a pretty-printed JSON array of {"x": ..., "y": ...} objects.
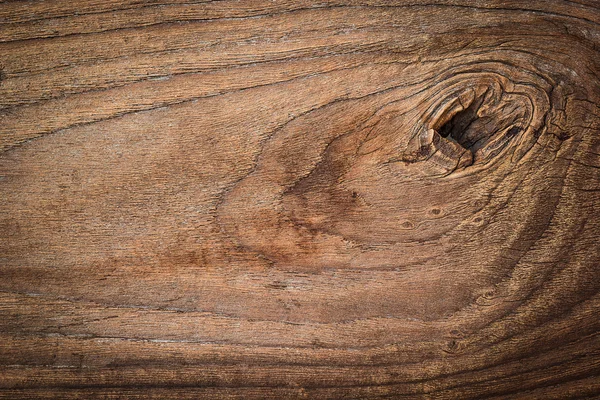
[{"x": 290, "y": 199}]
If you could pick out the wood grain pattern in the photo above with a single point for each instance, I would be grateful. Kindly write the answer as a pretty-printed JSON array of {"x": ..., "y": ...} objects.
[{"x": 291, "y": 199}]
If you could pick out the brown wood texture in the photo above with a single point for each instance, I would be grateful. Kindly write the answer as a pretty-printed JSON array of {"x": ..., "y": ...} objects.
[{"x": 296, "y": 199}]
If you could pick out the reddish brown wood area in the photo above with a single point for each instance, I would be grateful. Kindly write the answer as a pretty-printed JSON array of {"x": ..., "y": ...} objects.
[{"x": 297, "y": 199}]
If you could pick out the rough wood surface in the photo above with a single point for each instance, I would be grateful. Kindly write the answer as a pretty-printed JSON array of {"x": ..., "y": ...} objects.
[{"x": 290, "y": 199}]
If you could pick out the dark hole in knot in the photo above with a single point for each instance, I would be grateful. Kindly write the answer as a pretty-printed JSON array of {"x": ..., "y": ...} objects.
[
  {"x": 474, "y": 129},
  {"x": 459, "y": 127},
  {"x": 512, "y": 132}
]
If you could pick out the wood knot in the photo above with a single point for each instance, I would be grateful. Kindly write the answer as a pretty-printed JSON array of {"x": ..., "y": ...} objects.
[{"x": 474, "y": 121}]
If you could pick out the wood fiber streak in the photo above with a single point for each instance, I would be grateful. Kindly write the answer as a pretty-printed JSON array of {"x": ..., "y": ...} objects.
[{"x": 290, "y": 199}]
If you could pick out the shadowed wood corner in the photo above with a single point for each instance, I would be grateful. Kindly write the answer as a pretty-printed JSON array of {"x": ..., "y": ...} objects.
[{"x": 291, "y": 199}]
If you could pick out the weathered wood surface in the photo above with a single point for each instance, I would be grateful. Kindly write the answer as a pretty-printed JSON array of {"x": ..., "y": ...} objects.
[{"x": 288, "y": 199}]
